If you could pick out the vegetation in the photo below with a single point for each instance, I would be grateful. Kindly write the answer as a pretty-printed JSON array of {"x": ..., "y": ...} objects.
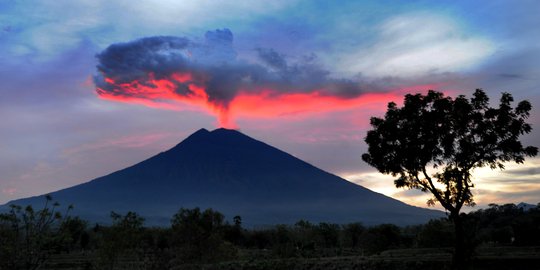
[
  {"x": 123, "y": 238},
  {"x": 199, "y": 236},
  {"x": 197, "y": 239},
  {"x": 29, "y": 237},
  {"x": 434, "y": 142}
]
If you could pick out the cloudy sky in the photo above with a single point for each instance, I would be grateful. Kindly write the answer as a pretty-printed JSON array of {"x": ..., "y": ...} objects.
[{"x": 90, "y": 87}]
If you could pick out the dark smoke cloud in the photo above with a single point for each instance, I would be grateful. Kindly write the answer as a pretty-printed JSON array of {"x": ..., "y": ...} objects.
[
  {"x": 272, "y": 58},
  {"x": 214, "y": 65}
]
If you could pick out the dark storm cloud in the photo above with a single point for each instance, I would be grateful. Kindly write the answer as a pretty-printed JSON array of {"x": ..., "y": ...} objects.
[
  {"x": 126, "y": 62},
  {"x": 272, "y": 58},
  {"x": 307, "y": 76},
  {"x": 213, "y": 65}
]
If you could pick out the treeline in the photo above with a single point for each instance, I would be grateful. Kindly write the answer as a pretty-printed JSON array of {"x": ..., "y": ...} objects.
[{"x": 29, "y": 237}]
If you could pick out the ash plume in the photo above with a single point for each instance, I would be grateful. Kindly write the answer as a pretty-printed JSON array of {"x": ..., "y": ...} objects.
[{"x": 165, "y": 69}]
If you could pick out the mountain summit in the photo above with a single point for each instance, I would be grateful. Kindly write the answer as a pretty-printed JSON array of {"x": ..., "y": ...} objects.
[{"x": 236, "y": 175}]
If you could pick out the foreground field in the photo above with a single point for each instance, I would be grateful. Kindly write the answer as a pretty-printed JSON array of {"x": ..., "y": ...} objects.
[
  {"x": 400, "y": 259},
  {"x": 501, "y": 237}
]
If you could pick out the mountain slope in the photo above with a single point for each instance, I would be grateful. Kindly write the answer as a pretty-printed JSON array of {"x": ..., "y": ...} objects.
[{"x": 236, "y": 175}]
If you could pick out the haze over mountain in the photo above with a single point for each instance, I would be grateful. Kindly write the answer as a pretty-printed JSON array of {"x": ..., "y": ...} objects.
[{"x": 236, "y": 175}]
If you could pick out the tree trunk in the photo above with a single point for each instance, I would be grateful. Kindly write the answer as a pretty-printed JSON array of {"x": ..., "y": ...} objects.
[{"x": 459, "y": 258}]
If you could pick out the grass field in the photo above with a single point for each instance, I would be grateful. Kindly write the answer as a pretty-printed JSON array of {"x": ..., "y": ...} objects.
[{"x": 493, "y": 258}]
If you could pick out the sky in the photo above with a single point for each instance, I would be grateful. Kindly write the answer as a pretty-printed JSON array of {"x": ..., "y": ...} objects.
[{"x": 93, "y": 86}]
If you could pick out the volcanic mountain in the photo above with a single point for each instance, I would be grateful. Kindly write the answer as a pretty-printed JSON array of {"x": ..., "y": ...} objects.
[{"x": 236, "y": 175}]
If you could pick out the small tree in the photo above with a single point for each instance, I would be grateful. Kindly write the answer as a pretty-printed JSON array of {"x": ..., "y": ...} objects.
[
  {"x": 434, "y": 142},
  {"x": 352, "y": 233},
  {"x": 198, "y": 236},
  {"x": 122, "y": 239},
  {"x": 28, "y": 237},
  {"x": 75, "y": 234}
]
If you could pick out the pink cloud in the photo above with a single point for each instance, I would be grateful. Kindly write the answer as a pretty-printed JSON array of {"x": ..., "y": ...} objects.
[
  {"x": 9, "y": 191},
  {"x": 130, "y": 141}
]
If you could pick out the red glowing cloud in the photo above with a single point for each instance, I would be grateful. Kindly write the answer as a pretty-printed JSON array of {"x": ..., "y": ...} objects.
[
  {"x": 156, "y": 93},
  {"x": 177, "y": 73},
  {"x": 162, "y": 93}
]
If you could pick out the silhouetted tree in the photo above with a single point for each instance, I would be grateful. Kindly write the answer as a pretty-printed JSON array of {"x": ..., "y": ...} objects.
[
  {"x": 234, "y": 234},
  {"x": 352, "y": 233},
  {"x": 156, "y": 246},
  {"x": 328, "y": 234},
  {"x": 434, "y": 142},
  {"x": 75, "y": 235},
  {"x": 198, "y": 236},
  {"x": 379, "y": 238},
  {"x": 283, "y": 244},
  {"x": 508, "y": 225},
  {"x": 29, "y": 237},
  {"x": 237, "y": 220},
  {"x": 123, "y": 238},
  {"x": 305, "y": 237},
  {"x": 437, "y": 233}
]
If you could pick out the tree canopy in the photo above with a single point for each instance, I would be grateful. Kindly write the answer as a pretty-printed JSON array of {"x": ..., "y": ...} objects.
[
  {"x": 435, "y": 132},
  {"x": 433, "y": 142}
]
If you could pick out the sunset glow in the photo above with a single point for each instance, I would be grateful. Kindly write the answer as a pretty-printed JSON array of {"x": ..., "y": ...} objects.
[
  {"x": 82, "y": 91},
  {"x": 269, "y": 103}
]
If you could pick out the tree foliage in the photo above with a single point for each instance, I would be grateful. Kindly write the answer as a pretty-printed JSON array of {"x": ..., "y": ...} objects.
[
  {"x": 452, "y": 136},
  {"x": 199, "y": 235},
  {"x": 433, "y": 142},
  {"x": 29, "y": 237},
  {"x": 126, "y": 244},
  {"x": 122, "y": 239}
]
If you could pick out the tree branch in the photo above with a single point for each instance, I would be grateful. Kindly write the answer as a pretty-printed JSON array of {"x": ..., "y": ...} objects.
[{"x": 436, "y": 193}]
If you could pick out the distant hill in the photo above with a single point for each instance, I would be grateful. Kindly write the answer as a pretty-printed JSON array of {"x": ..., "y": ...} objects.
[
  {"x": 525, "y": 206},
  {"x": 236, "y": 175}
]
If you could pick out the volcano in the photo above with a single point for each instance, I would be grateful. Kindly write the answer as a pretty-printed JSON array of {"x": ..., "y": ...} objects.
[{"x": 235, "y": 175}]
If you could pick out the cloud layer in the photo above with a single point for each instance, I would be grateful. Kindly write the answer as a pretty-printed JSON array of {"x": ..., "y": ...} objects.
[
  {"x": 418, "y": 44},
  {"x": 163, "y": 71},
  {"x": 55, "y": 133}
]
